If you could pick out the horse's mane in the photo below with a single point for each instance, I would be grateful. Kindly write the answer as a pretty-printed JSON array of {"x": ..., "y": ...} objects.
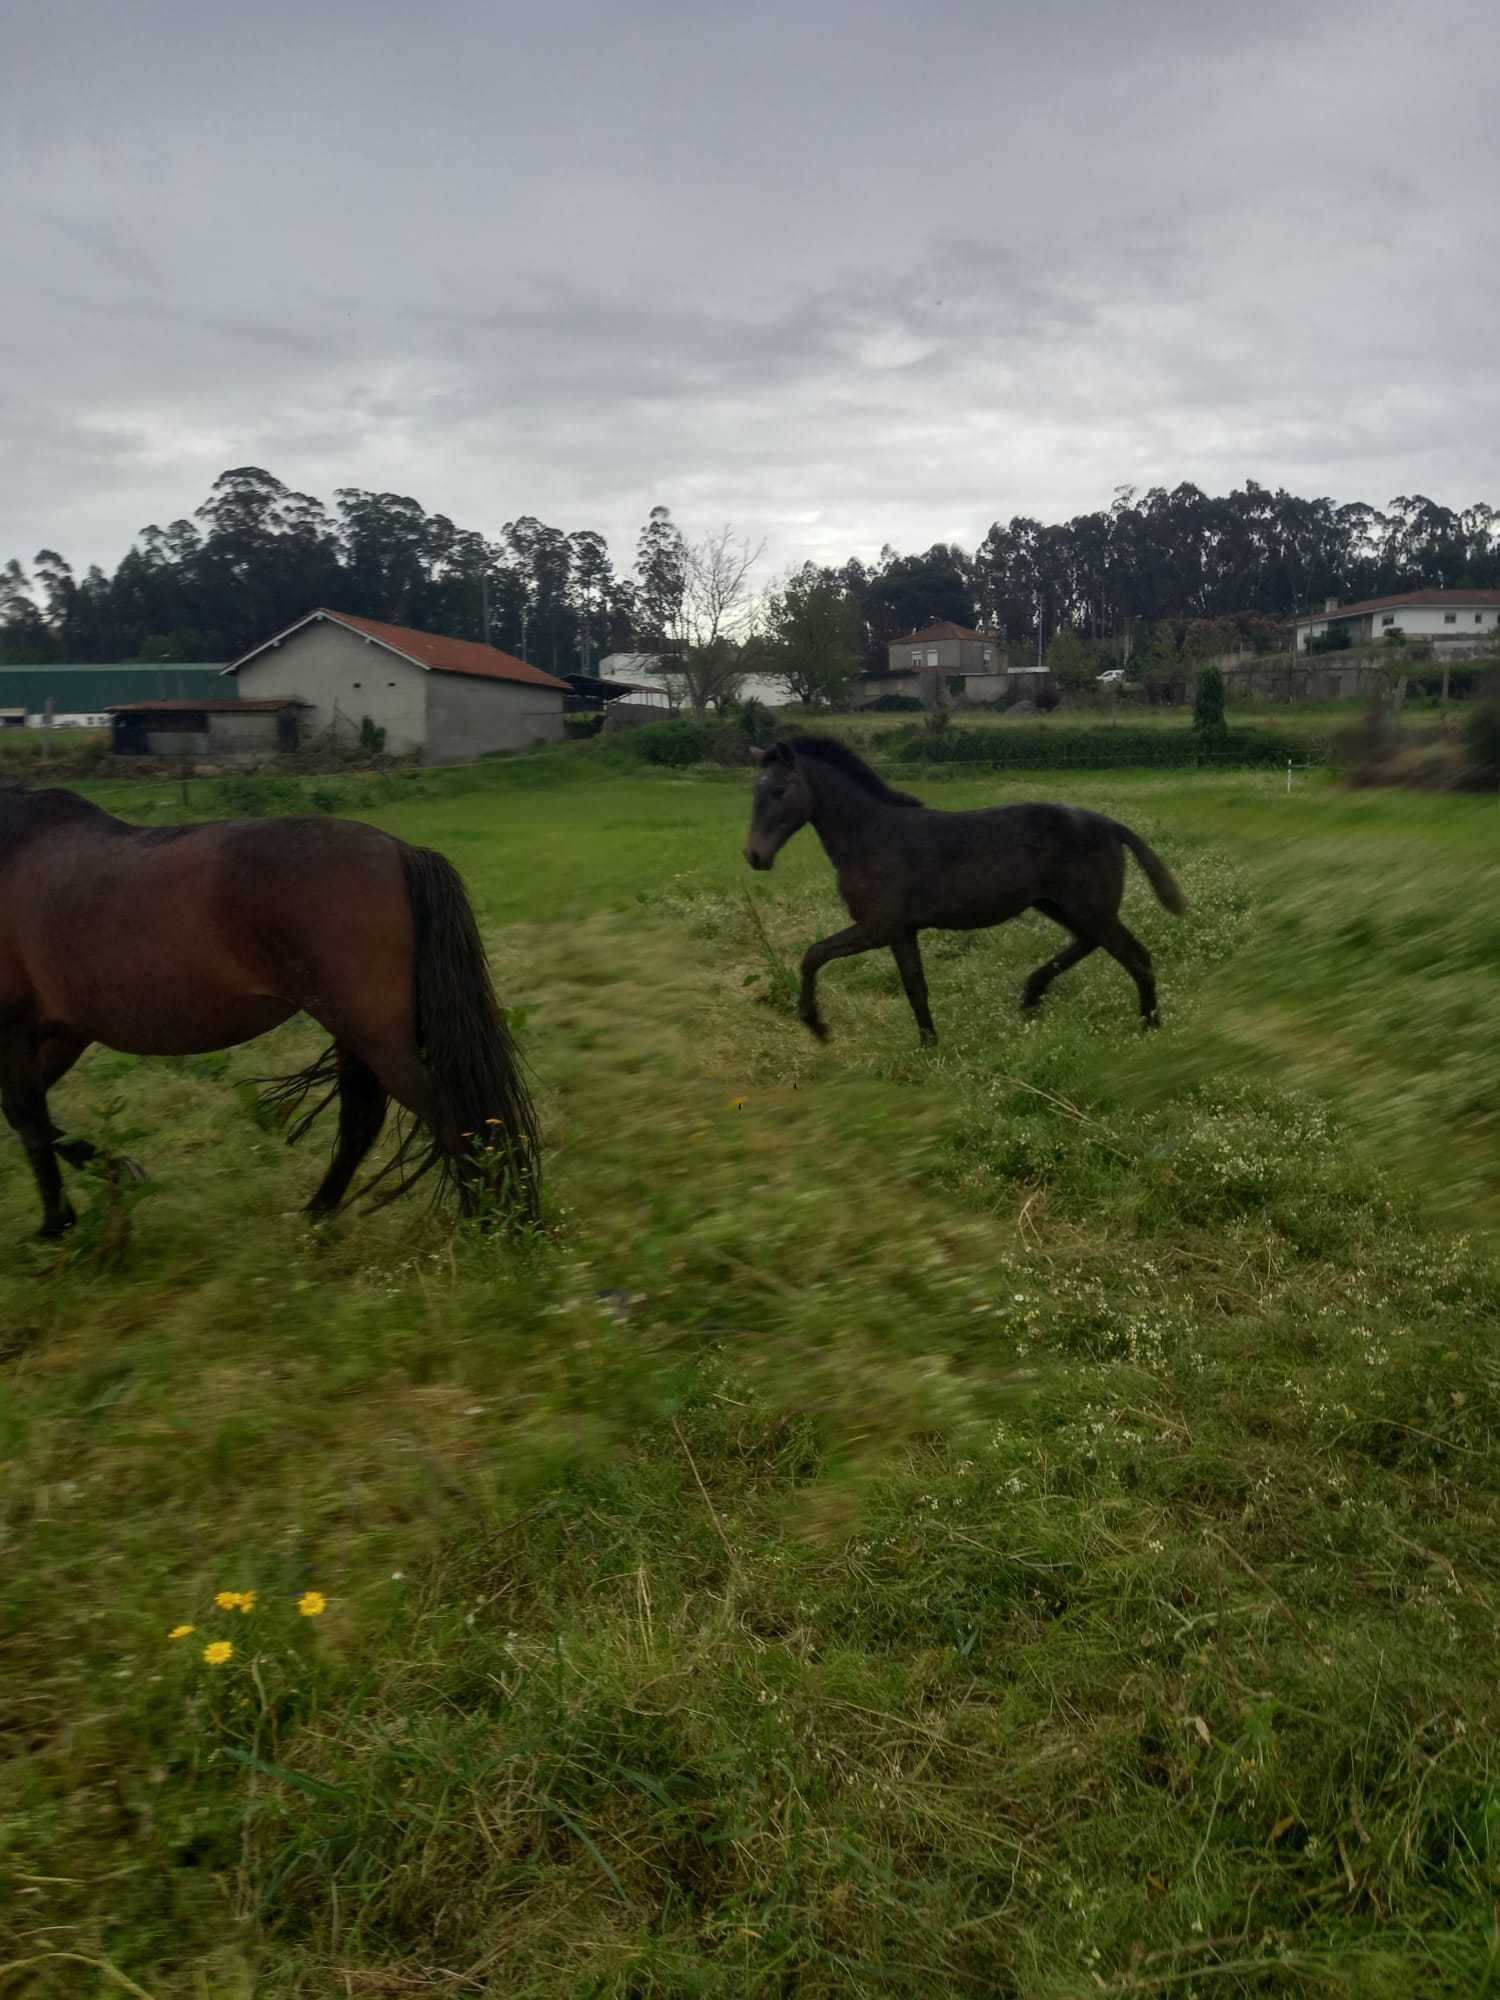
[{"x": 829, "y": 750}]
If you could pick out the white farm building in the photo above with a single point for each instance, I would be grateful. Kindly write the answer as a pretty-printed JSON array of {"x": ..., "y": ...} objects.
[{"x": 449, "y": 699}]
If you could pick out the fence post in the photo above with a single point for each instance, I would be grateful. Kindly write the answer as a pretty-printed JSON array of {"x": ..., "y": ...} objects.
[{"x": 1289, "y": 777}]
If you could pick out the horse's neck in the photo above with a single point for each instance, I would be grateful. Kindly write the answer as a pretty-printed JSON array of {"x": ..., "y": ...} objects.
[{"x": 845, "y": 816}]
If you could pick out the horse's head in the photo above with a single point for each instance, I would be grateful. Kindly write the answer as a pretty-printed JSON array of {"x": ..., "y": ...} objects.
[{"x": 782, "y": 802}]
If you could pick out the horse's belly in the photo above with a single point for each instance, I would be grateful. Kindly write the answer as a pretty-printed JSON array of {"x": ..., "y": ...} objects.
[
  {"x": 975, "y": 912},
  {"x": 164, "y": 1027}
]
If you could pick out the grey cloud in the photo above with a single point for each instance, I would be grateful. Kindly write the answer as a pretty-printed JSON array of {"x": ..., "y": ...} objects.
[{"x": 842, "y": 274}]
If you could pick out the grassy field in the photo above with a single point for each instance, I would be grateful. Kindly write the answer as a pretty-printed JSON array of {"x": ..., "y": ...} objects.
[{"x": 1019, "y": 1520}]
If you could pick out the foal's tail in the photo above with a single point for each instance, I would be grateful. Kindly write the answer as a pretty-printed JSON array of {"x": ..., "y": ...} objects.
[
  {"x": 1156, "y": 871},
  {"x": 482, "y": 1121}
]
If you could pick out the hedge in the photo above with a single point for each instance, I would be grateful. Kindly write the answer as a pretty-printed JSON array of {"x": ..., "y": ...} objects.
[{"x": 1104, "y": 748}]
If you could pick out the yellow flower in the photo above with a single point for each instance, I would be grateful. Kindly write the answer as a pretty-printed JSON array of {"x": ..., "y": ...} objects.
[
  {"x": 216, "y": 1654},
  {"x": 181, "y": 1631},
  {"x": 229, "y": 1600},
  {"x": 312, "y": 1604},
  {"x": 247, "y": 1600},
  {"x": 736, "y": 1103}
]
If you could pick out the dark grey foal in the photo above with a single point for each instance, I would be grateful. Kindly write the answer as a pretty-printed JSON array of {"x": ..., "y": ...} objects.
[{"x": 903, "y": 868}]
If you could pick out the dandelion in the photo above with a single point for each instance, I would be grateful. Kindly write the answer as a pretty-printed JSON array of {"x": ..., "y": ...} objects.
[
  {"x": 247, "y": 1600},
  {"x": 181, "y": 1631},
  {"x": 233, "y": 1600},
  {"x": 312, "y": 1604},
  {"x": 216, "y": 1654}
]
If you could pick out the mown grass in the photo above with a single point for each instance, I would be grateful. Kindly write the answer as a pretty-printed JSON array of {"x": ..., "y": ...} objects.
[{"x": 1014, "y": 1520}]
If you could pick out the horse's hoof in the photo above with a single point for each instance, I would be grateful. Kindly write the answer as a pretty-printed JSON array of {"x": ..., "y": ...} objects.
[
  {"x": 56, "y": 1226},
  {"x": 816, "y": 1027}
]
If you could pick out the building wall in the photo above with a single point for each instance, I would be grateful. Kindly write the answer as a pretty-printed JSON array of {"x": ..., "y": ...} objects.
[
  {"x": 467, "y": 717},
  {"x": 869, "y": 688},
  {"x": 243, "y": 735},
  {"x": 89, "y": 691},
  {"x": 344, "y": 677},
  {"x": 947, "y": 656}
]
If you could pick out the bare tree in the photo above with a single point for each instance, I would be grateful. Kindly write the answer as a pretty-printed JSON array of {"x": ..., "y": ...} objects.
[{"x": 712, "y": 622}]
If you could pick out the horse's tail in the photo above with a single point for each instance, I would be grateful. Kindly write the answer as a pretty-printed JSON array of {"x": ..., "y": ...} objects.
[
  {"x": 1156, "y": 871},
  {"x": 482, "y": 1122}
]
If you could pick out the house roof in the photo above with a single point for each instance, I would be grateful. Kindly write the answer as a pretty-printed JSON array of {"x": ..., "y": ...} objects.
[
  {"x": 431, "y": 651},
  {"x": 1409, "y": 600},
  {"x": 231, "y": 705},
  {"x": 944, "y": 630}
]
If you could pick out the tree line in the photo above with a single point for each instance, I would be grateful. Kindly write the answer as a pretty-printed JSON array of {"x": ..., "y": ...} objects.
[{"x": 1154, "y": 576}]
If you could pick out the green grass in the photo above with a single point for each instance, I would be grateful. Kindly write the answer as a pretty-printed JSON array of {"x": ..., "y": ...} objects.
[{"x": 1019, "y": 1520}]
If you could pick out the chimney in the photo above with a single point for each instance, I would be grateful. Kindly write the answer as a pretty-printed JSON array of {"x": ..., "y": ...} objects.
[{"x": 1330, "y": 604}]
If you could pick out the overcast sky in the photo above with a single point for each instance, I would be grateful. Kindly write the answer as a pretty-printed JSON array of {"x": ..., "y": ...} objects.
[{"x": 838, "y": 273}]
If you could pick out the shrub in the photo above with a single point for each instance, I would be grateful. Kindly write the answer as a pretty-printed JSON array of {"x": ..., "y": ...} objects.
[
  {"x": 371, "y": 737},
  {"x": 577, "y": 728},
  {"x": 1208, "y": 702},
  {"x": 894, "y": 704},
  {"x": 687, "y": 740}
]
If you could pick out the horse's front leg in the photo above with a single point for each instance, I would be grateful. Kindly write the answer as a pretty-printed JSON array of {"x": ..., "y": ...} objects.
[{"x": 843, "y": 944}]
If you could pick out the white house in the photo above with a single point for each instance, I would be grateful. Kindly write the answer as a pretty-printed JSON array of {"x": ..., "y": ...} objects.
[
  {"x": 1465, "y": 619},
  {"x": 450, "y": 699}
]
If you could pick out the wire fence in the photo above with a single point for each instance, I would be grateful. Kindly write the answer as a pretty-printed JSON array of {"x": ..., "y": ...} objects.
[{"x": 1056, "y": 755}]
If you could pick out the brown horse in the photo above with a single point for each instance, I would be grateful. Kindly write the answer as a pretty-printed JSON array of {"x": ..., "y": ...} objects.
[
  {"x": 903, "y": 869},
  {"x": 178, "y": 939}
]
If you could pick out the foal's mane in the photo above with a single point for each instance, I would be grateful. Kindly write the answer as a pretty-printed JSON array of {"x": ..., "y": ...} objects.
[{"x": 839, "y": 757}]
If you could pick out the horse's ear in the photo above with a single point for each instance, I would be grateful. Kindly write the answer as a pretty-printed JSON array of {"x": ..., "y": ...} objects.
[
  {"x": 757, "y": 755},
  {"x": 774, "y": 753}
]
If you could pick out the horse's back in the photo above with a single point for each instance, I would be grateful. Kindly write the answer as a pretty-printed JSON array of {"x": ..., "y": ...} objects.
[{"x": 161, "y": 940}]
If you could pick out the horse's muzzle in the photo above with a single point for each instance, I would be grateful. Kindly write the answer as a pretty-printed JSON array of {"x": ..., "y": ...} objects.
[{"x": 757, "y": 860}]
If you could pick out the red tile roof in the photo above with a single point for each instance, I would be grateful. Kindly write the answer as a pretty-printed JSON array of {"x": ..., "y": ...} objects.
[
  {"x": 946, "y": 630},
  {"x": 1411, "y": 600},
  {"x": 430, "y": 650}
]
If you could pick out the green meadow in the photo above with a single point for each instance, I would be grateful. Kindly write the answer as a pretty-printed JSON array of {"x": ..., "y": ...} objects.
[{"x": 1021, "y": 1519}]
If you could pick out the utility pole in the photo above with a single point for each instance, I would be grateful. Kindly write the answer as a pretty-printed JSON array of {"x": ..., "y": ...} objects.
[{"x": 484, "y": 601}]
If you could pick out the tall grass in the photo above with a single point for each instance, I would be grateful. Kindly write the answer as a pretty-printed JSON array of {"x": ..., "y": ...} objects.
[{"x": 1014, "y": 1519}]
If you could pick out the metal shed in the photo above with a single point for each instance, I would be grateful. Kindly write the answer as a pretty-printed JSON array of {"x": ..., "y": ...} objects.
[{"x": 207, "y": 728}]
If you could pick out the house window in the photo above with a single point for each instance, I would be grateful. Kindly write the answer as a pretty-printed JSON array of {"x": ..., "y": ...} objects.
[
  {"x": 1450, "y": 617},
  {"x": 986, "y": 657},
  {"x": 932, "y": 656},
  {"x": 1389, "y": 618},
  {"x": 1478, "y": 617}
]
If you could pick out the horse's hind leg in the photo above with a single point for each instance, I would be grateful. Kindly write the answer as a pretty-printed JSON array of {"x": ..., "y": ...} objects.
[
  {"x": 362, "y": 1107},
  {"x": 1034, "y": 991},
  {"x": 1124, "y": 946}
]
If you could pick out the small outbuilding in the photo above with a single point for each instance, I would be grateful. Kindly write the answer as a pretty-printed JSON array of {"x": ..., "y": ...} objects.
[
  {"x": 361, "y": 680},
  {"x": 224, "y": 728}
]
